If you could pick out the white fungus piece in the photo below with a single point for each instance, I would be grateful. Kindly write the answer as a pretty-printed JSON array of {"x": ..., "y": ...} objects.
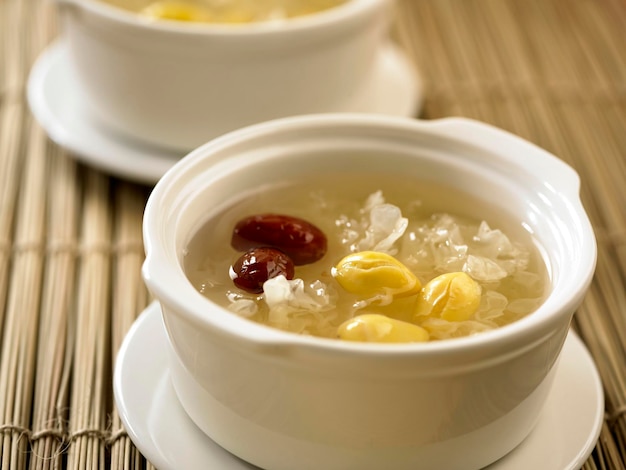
[
  {"x": 523, "y": 306},
  {"x": 386, "y": 226},
  {"x": 496, "y": 242},
  {"x": 446, "y": 243},
  {"x": 381, "y": 226},
  {"x": 439, "y": 328},
  {"x": 285, "y": 297},
  {"x": 492, "y": 306},
  {"x": 373, "y": 200},
  {"x": 246, "y": 308},
  {"x": 496, "y": 245},
  {"x": 528, "y": 281},
  {"x": 483, "y": 269}
]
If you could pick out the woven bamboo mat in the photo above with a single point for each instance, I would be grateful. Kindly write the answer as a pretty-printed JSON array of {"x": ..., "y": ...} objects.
[{"x": 551, "y": 71}]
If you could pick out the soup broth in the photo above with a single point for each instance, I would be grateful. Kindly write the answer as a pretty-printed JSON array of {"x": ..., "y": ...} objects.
[
  {"x": 225, "y": 11},
  {"x": 445, "y": 231}
]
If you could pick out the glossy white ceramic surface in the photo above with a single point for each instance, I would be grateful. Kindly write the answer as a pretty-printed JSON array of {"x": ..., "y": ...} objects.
[
  {"x": 563, "y": 438},
  {"x": 337, "y": 403},
  {"x": 178, "y": 85},
  {"x": 59, "y": 106}
]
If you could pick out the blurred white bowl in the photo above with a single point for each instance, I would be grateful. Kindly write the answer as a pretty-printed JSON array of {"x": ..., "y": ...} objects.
[
  {"x": 284, "y": 401},
  {"x": 177, "y": 85}
]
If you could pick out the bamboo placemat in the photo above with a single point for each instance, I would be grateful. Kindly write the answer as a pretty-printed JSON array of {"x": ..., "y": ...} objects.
[{"x": 551, "y": 71}]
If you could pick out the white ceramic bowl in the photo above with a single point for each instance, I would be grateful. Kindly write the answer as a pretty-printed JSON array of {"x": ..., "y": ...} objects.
[
  {"x": 284, "y": 401},
  {"x": 177, "y": 85}
]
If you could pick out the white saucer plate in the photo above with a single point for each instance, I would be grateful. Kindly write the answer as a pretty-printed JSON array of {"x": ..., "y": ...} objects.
[
  {"x": 58, "y": 105},
  {"x": 563, "y": 438}
]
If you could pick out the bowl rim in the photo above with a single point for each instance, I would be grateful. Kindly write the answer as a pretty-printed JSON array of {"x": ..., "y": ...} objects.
[
  {"x": 521, "y": 334},
  {"x": 349, "y": 12}
]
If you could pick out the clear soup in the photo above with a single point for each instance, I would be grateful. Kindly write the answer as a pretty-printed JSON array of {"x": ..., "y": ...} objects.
[{"x": 445, "y": 231}]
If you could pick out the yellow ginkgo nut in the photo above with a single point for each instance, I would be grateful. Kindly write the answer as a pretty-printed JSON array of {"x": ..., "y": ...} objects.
[
  {"x": 451, "y": 296},
  {"x": 375, "y": 275},
  {"x": 375, "y": 328}
]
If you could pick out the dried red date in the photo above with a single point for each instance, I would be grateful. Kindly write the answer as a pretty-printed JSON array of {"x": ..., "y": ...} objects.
[
  {"x": 258, "y": 265},
  {"x": 301, "y": 240}
]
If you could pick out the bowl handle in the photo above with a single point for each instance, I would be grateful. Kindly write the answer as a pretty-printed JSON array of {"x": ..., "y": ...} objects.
[{"x": 525, "y": 155}]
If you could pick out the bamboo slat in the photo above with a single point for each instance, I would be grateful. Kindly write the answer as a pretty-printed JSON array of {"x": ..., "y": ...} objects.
[
  {"x": 130, "y": 298},
  {"x": 56, "y": 333}
]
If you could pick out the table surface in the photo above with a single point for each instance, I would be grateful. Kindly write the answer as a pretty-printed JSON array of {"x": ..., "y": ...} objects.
[{"x": 551, "y": 71}]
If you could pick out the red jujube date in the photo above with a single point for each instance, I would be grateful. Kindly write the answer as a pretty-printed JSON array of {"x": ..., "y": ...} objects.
[
  {"x": 302, "y": 241},
  {"x": 258, "y": 265}
]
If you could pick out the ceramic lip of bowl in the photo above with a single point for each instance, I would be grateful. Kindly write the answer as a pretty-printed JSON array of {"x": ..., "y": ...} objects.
[
  {"x": 555, "y": 184},
  {"x": 340, "y": 16}
]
